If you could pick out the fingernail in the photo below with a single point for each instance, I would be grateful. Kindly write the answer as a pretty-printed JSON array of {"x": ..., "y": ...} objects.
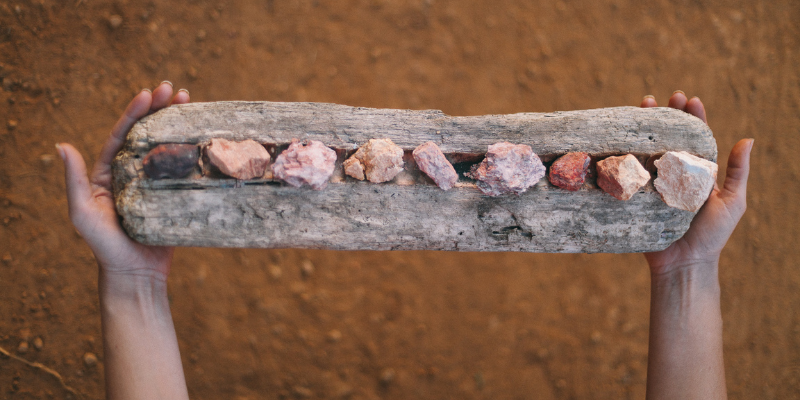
[
  {"x": 650, "y": 96},
  {"x": 752, "y": 140},
  {"x": 147, "y": 90},
  {"x": 170, "y": 83},
  {"x": 184, "y": 90},
  {"x": 679, "y": 91},
  {"x": 60, "y": 151}
]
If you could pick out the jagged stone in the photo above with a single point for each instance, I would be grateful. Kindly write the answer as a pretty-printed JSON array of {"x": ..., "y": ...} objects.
[
  {"x": 685, "y": 181},
  {"x": 432, "y": 162},
  {"x": 353, "y": 167},
  {"x": 309, "y": 164},
  {"x": 241, "y": 160},
  {"x": 171, "y": 161},
  {"x": 569, "y": 171},
  {"x": 621, "y": 176},
  {"x": 380, "y": 159},
  {"x": 507, "y": 168}
]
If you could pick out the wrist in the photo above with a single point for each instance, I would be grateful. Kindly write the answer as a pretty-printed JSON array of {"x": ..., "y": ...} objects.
[
  {"x": 139, "y": 286},
  {"x": 691, "y": 277}
]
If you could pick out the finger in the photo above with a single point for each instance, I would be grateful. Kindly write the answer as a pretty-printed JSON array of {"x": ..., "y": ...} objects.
[
  {"x": 648, "y": 101},
  {"x": 678, "y": 100},
  {"x": 695, "y": 107},
  {"x": 734, "y": 189},
  {"x": 137, "y": 108},
  {"x": 161, "y": 96},
  {"x": 79, "y": 190},
  {"x": 182, "y": 97}
]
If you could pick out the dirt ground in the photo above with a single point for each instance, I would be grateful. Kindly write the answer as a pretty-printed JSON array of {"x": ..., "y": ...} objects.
[{"x": 396, "y": 325}]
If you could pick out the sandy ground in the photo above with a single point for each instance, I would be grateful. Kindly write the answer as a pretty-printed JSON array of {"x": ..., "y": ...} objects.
[{"x": 397, "y": 325}]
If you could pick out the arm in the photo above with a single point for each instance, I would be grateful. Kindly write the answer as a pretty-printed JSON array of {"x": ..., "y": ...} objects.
[
  {"x": 685, "y": 355},
  {"x": 140, "y": 348}
]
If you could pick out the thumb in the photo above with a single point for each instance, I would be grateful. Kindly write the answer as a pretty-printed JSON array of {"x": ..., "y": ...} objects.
[
  {"x": 79, "y": 190},
  {"x": 734, "y": 189}
]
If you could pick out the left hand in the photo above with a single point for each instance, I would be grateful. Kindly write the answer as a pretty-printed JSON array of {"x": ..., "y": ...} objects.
[{"x": 91, "y": 201}]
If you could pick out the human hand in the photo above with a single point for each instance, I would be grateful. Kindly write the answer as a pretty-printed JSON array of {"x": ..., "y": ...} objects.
[
  {"x": 91, "y": 201},
  {"x": 714, "y": 223}
]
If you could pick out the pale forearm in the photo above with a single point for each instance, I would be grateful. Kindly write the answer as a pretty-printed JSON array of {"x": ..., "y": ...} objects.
[
  {"x": 142, "y": 360},
  {"x": 685, "y": 357}
]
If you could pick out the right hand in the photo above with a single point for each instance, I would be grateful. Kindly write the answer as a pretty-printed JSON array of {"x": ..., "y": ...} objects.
[{"x": 91, "y": 201}]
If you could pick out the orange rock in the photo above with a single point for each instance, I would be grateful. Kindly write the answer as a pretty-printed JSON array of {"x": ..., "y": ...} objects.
[
  {"x": 380, "y": 159},
  {"x": 569, "y": 171},
  {"x": 431, "y": 161},
  {"x": 621, "y": 176}
]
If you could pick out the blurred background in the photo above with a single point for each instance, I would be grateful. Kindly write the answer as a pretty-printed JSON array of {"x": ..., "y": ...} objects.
[{"x": 256, "y": 324}]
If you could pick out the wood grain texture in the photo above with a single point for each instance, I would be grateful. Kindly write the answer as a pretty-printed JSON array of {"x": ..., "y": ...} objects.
[{"x": 353, "y": 215}]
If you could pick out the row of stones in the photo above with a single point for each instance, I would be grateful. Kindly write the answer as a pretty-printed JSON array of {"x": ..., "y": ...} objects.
[{"x": 684, "y": 181}]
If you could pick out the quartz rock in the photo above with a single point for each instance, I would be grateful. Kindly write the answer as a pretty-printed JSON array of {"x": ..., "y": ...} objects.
[
  {"x": 507, "y": 168},
  {"x": 171, "y": 161},
  {"x": 685, "y": 181},
  {"x": 309, "y": 164},
  {"x": 569, "y": 171},
  {"x": 380, "y": 159},
  {"x": 431, "y": 161},
  {"x": 354, "y": 167},
  {"x": 241, "y": 160},
  {"x": 621, "y": 176}
]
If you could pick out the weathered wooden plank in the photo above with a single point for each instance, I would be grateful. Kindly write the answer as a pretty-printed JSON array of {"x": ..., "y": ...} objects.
[{"x": 350, "y": 214}]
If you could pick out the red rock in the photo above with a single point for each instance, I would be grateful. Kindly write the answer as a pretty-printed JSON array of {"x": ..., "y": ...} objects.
[
  {"x": 569, "y": 171},
  {"x": 242, "y": 160},
  {"x": 171, "y": 161},
  {"x": 380, "y": 159},
  {"x": 621, "y": 176},
  {"x": 309, "y": 164},
  {"x": 507, "y": 168},
  {"x": 432, "y": 162},
  {"x": 685, "y": 181}
]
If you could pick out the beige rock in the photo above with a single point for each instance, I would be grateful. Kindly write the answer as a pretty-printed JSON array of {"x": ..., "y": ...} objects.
[
  {"x": 621, "y": 176},
  {"x": 380, "y": 159},
  {"x": 431, "y": 161},
  {"x": 685, "y": 181},
  {"x": 241, "y": 160},
  {"x": 353, "y": 167},
  {"x": 309, "y": 164}
]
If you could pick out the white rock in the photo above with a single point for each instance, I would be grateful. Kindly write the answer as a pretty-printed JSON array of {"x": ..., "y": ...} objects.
[
  {"x": 380, "y": 159},
  {"x": 685, "y": 181}
]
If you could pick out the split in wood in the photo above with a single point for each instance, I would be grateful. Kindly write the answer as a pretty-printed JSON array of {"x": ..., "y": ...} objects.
[{"x": 505, "y": 169}]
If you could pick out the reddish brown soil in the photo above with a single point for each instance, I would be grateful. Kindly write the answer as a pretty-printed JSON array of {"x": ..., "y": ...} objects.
[{"x": 432, "y": 324}]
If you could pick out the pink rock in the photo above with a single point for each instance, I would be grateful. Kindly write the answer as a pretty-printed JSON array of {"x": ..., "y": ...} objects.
[
  {"x": 242, "y": 160},
  {"x": 621, "y": 176},
  {"x": 507, "y": 168},
  {"x": 171, "y": 161},
  {"x": 569, "y": 171},
  {"x": 309, "y": 164},
  {"x": 432, "y": 162},
  {"x": 380, "y": 159},
  {"x": 685, "y": 181}
]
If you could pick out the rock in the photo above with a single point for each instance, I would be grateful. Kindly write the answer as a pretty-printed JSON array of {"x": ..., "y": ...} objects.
[
  {"x": 433, "y": 163},
  {"x": 307, "y": 268},
  {"x": 114, "y": 21},
  {"x": 621, "y": 176},
  {"x": 7, "y": 258},
  {"x": 12, "y": 124},
  {"x": 569, "y": 171},
  {"x": 387, "y": 376},
  {"x": 380, "y": 159},
  {"x": 171, "y": 161},
  {"x": 302, "y": 392},
  {"x": 507, "y": 168},
  {"x": 23, "y": 347},
  {"x": 309, "y": 164},
  {"x": 335, "y": 335},
  {"x": 46, "y": 160},
  {"x": 241, "y": 160},
  {"x": 353, "y": 167},
  {"x": 38, "y": 343},
  {"x": 89, "y": 359},
  {"x": 685, "y": 181}
]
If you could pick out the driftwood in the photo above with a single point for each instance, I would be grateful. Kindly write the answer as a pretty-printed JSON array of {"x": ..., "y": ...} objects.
[{"x": 408, "y": 214}]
